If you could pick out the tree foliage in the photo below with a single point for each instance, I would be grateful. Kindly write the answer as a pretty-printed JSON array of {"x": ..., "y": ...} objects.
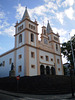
[{"x": 66, "y": 49}]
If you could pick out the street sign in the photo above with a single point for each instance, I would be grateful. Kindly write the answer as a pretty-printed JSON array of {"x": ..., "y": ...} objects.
[{"x": 18, "y": 77}]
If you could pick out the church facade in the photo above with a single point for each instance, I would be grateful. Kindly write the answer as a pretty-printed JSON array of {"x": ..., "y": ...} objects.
[{"x": 30, "y": 56}]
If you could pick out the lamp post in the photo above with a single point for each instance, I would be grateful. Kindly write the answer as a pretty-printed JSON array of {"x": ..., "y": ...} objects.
[
  {"x": 71, "y": 70},
  {"x": 72, "y": 52},
  {"x": 71, "y": 73},
  {"x": 54, "y": 69},
  {"x": 18, "y": 78}
]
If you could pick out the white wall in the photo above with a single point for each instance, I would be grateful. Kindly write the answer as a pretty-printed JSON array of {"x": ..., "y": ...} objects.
[
  {"x": 33, "y": 25},
  {"x": 20, "y": 44},
  {"x": 44, "y": 54},
  {"x": 32, "y": 43},
  {"x": 57, "y": 51},
  {"x": 20, "y": 61},
  {"x": 32, "y": 61},
  {"x": 4, "y": 70},
  {"x": 23, "y": 23},
  {"x": 44, "y": 62},
  {"x": 59, "y": 65}
]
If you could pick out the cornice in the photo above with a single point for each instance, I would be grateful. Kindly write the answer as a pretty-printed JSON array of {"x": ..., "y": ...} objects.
[
  {"x": 24, "y": 20},
  {"x": 29, "y": 46},
  {"x": 28, "y": 30}
]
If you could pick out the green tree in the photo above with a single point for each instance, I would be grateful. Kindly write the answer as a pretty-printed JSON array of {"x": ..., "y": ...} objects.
[
  {"x": 65, "y": 70},
  {"x": 66, "y": 49}
]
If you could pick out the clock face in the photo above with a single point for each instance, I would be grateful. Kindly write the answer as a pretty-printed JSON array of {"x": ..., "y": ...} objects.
[{"x": 45, "y": 41}]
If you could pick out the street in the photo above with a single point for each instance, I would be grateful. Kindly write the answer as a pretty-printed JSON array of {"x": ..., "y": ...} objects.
[
  {"x": 7, "y": 97},
  {"x": 11, "y": 97},
  {"x": 18, "y": 96}
]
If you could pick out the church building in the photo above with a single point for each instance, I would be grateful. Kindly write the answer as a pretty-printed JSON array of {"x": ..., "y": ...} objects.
[{"x": 31, "y": 56}]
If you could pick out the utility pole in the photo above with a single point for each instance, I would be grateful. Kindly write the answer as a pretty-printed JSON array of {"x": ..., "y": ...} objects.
[
  {"x": 72, "y": 52},
  {"x": 71, "y": 68}
]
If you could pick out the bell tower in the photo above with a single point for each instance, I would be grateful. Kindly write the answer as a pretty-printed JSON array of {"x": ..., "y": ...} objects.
[
  {"x": 20, "y": 30},
  {"x": 49, "y": 31},
  {"x": 44, "y": 36},
  {"x": 26, "y": 38},
  {"x": 54, "y": 41}
]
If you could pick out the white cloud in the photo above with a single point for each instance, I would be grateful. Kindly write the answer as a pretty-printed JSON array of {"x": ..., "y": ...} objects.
[
  {"x": 62, "y": 34},
  {"x": 1, "y": 26},
  {"x": 2, "y": 14},
  {"x": 0, "y": 32},
  {"x": 63, "y": 39},
  {"x": 37, "y": 11},
  {"x": 68, "y": 3},
  {"x": 20, "y": 11},
  {"x": 70, "y": 13},
  {"x": 64, "y": 60},
  {"x": 58, "y": 1},
  {"x": 39, "y": 31},
  {"x": 44, "y": 11},
  {"x": 61, "y": 31},
  {"x": 40, "y": 10},
  {"x": 48, "y": 0},
  {"x": 4, "y": 24},
  {"x": 10, "y": 30},
  {"x": 60, "y": 17},
  {"x": 0, "y": 48},
  {"x": 52, "y": 5},
  {"x": 0, "y": 21},
  {"x": 72, "y": 33}
]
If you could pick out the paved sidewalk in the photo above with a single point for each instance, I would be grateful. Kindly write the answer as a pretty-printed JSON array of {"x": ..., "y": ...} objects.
[{"x": 21, "y": 96}]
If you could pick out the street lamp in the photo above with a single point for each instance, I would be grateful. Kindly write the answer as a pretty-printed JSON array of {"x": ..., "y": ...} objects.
[
  {"x": 54, "y": 69},
  {"x": 71, "y": 73},
  {"x": 71, "y": 70},
  {"x": 72, "y": 51}
]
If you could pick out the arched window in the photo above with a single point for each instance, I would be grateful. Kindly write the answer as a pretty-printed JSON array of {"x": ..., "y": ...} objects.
[
  {"x": 32, "y": 37},
  {"x": 42, "y": 72},
  {"x": 47, "y": 70},
  {"x": 52, "y": 70},
  {"x": 56, "y": 47},
  {"x": 20, "y": 38}
]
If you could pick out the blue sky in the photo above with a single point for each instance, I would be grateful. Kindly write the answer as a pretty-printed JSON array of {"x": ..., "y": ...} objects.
[{"x": 60, "y": 13}]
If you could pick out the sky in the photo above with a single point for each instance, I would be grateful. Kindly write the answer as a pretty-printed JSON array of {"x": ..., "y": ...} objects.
[{"x": 60, "y": 13}]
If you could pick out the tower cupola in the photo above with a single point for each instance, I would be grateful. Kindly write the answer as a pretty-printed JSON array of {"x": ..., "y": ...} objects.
[
  {"x": 49, "y": 29},
  {"x": 26, "y": 15}
]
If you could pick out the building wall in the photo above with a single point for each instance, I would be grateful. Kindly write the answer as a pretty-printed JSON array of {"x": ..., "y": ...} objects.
[
  {"x": 44, "y": 54},
  {"x": 19, "y": 30},
  {"x": 35, "y": 30},
  {"x": 4, "y": 70},
  {"x": 20, "y": 62},
  {"x": 59, "y": 66},
  {"x": 49, "y": 37},
  {"x": 17, "y": 42},
  {"x": 32, "y": 43},
  {"x": 26, "y": 47},
  {"x": 57, "y": 51},
  {"x": 32, "y": 61},
  {"x": 23, "y": 23}
]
